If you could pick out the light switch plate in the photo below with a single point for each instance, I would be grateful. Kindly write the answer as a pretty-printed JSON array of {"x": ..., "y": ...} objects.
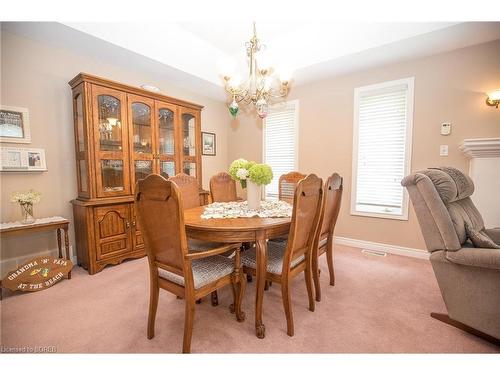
[
  {"x": 443, "y": 150},
  {"x": 445, "y": 128}
]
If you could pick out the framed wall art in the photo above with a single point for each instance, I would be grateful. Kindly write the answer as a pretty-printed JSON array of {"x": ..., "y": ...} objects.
[
  {"x": 14, "y": 125},
  {"x": 208, "y": 146},
  {"x": 21, "y": 159}
]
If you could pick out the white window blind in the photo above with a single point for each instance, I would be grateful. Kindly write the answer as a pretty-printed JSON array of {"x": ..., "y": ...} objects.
[
  {"x": 382, "y": 142},
  {"x": 280, "y": 142}
]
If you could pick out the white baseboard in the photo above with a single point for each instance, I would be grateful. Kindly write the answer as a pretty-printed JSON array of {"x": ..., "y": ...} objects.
[{"x": 392, "y": 249}]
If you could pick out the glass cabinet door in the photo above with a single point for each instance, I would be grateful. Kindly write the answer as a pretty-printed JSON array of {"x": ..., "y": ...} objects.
[
  {"x": 111, "y": 142},
  {"x": 142, "y": 145},
  {"x": 190, "y": 133},
  {"x": 167, "y": 147},
  {"x": 81, "y": 143}
]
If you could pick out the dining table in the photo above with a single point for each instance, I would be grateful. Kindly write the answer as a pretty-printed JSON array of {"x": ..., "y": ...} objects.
[{"x": 240, "y": 229}]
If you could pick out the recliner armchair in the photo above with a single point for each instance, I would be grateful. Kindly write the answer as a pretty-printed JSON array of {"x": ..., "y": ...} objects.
[{"x": 468, "y": 277}]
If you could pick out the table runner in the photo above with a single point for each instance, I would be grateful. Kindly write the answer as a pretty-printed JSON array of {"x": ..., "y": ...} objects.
[
  {"x": 18, "y": 224},
  {"x": 219, "y": 210}
]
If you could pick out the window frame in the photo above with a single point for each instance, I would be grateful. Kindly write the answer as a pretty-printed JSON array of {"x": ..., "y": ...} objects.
[
  {"x": 358, "y": 91},
  {"x": 295, "y": 102}
]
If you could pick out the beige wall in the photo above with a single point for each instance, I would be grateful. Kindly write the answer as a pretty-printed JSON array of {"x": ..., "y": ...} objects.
[
  {"x": 36, "y": 75},
  {"x": 448, "y": 87}
]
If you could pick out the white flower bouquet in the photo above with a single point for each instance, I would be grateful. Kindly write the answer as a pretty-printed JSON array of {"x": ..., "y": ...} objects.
[{"x": 26, "y": 199}]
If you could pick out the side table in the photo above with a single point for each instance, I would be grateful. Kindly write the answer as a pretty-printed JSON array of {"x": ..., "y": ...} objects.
[{"x": 45, "y": 224}]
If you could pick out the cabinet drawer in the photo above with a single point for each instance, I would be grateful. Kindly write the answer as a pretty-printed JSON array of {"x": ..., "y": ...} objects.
[{"x": 112, "y": 230}]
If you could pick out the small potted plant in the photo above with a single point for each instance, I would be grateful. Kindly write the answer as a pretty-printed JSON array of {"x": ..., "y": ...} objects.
[
  {"x": 26, "y": 200},
  {"x": 251, "y": 176}
]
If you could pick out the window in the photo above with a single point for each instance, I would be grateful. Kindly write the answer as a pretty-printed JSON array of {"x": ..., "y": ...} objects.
[
  {"x": 281, "y": 142},
  {"x": 383, "y": 116}
]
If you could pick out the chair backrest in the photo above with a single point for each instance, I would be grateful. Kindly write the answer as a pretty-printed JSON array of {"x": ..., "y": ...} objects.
[
  {"x": 287, "y": 184},
  {"x": 305, "y": 218},
  {"x": 332, "y": 197},
  {"x": 188, "y": 186},
  {"x": 158, "y": 206},
  {"x": 440, "y": 197},
  {"x": 223, "y": 188}
]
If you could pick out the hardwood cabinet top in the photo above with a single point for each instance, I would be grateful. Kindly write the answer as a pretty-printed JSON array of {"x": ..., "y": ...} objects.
[{"x": 85, "y": 77}]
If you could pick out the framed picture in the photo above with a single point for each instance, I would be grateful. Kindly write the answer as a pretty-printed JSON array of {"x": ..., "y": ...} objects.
[
  {"x": 20, "y": 159},
  {"x": 14, "y": 125},
  {"x": 208, "y": 144}
]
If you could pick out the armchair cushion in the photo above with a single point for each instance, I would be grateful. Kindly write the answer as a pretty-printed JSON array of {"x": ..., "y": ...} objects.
[
  {"x": 480, "y": 238},
  {"x": 485, "y": 258},
  {"x": 494, "y": 234},
  {"x": 205, "y": 271},
  {"x": 275, "y": 253}
]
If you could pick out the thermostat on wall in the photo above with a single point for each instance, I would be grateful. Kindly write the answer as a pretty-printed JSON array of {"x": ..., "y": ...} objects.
[{"x": 445, "y": 128}]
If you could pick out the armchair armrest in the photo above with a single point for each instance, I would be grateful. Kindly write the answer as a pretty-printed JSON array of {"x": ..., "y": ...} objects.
[
  {"x": 475, "y": 257},
  {"x": 494, "y": 234},
  {"x": 212, "y": 252}
]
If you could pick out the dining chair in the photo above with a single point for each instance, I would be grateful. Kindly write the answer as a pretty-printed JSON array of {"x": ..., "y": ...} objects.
[
  {"x": 287, "y": 184},
  {"x": 172, "y": 266},
  {"x": 332, "y": 196},
  {"x": 223, "y": 188},
  {"x": 190, "y": 193},
  {"x": 285, "y": 260}
]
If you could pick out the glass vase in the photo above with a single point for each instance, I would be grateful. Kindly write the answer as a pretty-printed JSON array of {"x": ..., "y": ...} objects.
[{"x": 27, "y": 213}]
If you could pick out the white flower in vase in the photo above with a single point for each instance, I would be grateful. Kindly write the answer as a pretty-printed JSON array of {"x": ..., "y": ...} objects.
[{"x": 242, "y": 173}]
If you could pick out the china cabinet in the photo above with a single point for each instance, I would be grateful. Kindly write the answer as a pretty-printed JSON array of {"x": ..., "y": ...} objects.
[{"x": 123, "y": 134}]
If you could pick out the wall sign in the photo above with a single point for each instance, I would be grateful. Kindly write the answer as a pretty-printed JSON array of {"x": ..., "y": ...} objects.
[
  {"x": 14, "y": 125},
  {"x": 21, "y": 159},
  {"x": 37, "y": 274}
]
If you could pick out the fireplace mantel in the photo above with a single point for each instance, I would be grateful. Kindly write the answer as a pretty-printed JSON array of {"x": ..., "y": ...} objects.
[
  {"x": 481, "y": 147},
  {"x": 484, "y": 169}
]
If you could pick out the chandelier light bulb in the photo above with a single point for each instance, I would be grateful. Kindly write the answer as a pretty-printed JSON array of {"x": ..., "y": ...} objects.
[
  {"x": 285, "y": 75},
  {"x": 226, "y": 66},
  {"x": 234, "y": 81}
]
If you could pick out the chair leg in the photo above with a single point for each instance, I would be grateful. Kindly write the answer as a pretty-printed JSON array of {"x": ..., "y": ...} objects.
[
  {"x": 329, "y": 259},
  {"x": 249, "y": 278},
  {"x": 154, "y": 292},
  {"x": 266, "y": 286},
  {"x": 215, "y": 298},
  {"x": 239, "y": 288},
  {"x": 309, "y": 286},
  {"x": 287, "y": 305},
  {"x": 315, "y": 275},
  {"x": 188, "y": 325}
]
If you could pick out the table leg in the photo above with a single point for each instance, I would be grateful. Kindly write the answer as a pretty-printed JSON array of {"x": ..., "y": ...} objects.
[
  {"x": 66, "y": 247},
  {"x": 261, "y": 250},
  {"x": 59, "y": 242}
]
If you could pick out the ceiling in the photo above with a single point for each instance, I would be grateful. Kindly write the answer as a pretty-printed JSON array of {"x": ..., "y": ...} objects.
[{"x": 194, "y": 52}]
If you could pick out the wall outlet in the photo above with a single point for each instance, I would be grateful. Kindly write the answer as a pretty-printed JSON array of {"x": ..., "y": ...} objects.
[
  {"x": 443, "y": 150},
  {"x": 445, "y": 128}
]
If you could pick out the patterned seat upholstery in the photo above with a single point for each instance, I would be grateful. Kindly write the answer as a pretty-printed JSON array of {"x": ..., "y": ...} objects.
[
  {"x": 205, "y": 271},
  {"x": 275, "y": 253}
]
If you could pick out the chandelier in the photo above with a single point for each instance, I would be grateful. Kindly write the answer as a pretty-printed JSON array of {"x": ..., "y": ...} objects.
[{"x": 262, "y": 87}]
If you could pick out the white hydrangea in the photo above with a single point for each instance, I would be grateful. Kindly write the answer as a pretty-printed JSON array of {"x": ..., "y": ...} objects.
[{"x": 242, "y": 173}]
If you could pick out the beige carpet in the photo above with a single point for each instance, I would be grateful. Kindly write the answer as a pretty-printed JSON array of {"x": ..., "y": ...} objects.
[{"x": 378, "y": 305}]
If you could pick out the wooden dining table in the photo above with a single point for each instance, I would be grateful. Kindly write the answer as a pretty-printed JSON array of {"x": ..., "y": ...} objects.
[{"x": 230, "y": 230}]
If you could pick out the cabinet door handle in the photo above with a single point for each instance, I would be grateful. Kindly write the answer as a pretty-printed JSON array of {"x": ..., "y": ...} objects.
[
  {"x": 127, "y": 224},
  {"x": 133, "y": 223}
]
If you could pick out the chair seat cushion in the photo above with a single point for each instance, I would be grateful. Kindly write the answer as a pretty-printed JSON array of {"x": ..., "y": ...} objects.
[
  {"x": 205, "y": 271},
  {"x": 480, "y": 238},
  {"x": 275, "y": 253}
]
